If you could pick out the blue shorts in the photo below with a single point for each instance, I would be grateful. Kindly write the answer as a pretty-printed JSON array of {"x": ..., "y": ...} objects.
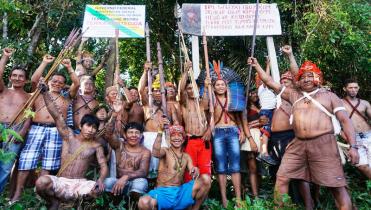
[
  {"x": 226, "y": 149},
  {"x": 266, "y": 129},
  {"x": 176, "y": 198},
  {"x": 44, "y": 141}
]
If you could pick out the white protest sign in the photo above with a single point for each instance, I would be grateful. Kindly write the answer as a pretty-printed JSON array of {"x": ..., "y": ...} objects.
[
  {"x": 103, "y": 20},
  {"x": 230, "y": 19}
]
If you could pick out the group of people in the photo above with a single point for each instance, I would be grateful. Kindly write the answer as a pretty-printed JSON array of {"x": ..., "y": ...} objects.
[{"x": 135, "y": 136}]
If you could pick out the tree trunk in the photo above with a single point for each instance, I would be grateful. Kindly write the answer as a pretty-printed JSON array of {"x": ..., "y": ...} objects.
[
  {"x": 34, "y": 34},
  {"x": 110, "y": 71},
  {"x": 5, "y": 25}
]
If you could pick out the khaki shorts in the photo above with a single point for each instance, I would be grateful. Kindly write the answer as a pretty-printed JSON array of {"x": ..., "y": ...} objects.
[
  {"x": 71, "y": 189},
  {"x": 316, "y": 160}
]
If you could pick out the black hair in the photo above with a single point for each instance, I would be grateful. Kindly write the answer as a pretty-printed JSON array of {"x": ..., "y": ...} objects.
[
  {"x": 134, "y": 125},
  {"x": 133, "y": 88},
  {"x": 19, "y": 67},
  {"x": 60, "y": 74},
  {"x": 349, "y": 80},
  {"x": 90, "y": 120},
  {"x": 99, "y": 107}
]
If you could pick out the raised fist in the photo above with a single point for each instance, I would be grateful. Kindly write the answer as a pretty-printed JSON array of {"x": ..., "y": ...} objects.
[
  {"x": 48, "y": 58},
  {"x": 66, "y": 63},
  {"x": 287, "y": 49},
  {"x": 8, "y": 52}
]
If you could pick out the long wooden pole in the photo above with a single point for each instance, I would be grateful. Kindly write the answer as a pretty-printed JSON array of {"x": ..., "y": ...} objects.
[
  {"x": 252, "y": 49},
  {"x": 149, "y": 72},
  {"x": 162, "y": 79},
  {"x": 207, "y": 69}
]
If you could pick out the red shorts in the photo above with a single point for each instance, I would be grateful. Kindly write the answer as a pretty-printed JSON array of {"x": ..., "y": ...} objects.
[{"x": 201, "y": 156}]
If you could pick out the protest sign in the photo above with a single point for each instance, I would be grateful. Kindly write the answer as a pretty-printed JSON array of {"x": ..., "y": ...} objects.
[
  {"x": 103, "y": 20},
  {"x": 230, "y": 19}
]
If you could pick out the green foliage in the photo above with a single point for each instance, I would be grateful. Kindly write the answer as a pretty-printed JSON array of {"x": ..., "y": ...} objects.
[{"x": 5, "y": 133}]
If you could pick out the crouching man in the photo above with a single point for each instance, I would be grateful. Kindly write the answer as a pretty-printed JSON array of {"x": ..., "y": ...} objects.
[
  {"x": 78, "y": 151},
  {"x": 170, "y": 192},
  {"x": 133, "y": 158}
]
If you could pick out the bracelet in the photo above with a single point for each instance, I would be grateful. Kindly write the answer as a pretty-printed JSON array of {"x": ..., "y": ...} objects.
[
  {"x": 249, "y": 137},
  {"x": 160, "y": 132}
]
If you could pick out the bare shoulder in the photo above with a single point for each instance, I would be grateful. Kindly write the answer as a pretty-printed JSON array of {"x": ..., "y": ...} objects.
[
  {"x": 146, "y": 151},
  {"x": 366, "y": 103}
]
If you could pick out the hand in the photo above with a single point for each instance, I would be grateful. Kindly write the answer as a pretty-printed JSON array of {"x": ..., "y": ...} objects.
[
  {"x": 263, "y": 120},
  {"x": 207, "y": 82},
  {"x": 67, "y": 63},
  {"x": 194, "y": 173},
  {"x": 42, "y": 86},
  {"x": 267, "y": 60},
  {"x": 117, "y": 106},
  {"x": 253, "y": 146},
  {"x": 287, "y": 50},
  {"x": 48, "y": 59},
  {"x": 120, "y": 82},
  {"x": 164, "y": 122},
  {"x": 188, "y": 65},
  {"x": 147, "y": 66},
  {"x": 353, "y": 156},
  {"x": 253, "y": 62},
  {"x": 99, "y": 186},
  {"x": 119, "y": 186},
  {"x": 7, "y": 52},
  {"x": 207, "y": 135},
  {"x": 242, "y": 138}
]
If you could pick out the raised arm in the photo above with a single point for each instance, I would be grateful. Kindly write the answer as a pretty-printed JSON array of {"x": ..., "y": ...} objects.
[
  {"x": 109, "y": 135},
  {"x": 264, "y": 76},
  {"x": 157, "y": 150},
  {"x": 39, "y": 71},
  {"x": 182, "y": 89},
  {"x": 54, "y": 111},
  {"x": 143, "y": 83},
  {"x": 7, "y": 52},
  {"x": 102, "y": 62},
  {"x": 75, "y": 80},
  {"x": 287, "y": 50}
]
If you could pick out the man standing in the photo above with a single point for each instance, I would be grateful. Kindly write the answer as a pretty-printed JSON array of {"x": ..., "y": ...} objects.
[
  {"x": 359, "y": 112},
  {"x": 85, "y": 101},
  {"x": 170, "y": 192},
  {"x": 43, "y": 139},
  {"x": 198, "y": 134},
  {"x": 12, "y": 100},
  {"x": 78, "y": 152},
  {"x": 313, "y": 155},
  {"x": 226, "y": 143},
  {"x": 133, "y": 110},
  {"x": 153, "y": 116}
]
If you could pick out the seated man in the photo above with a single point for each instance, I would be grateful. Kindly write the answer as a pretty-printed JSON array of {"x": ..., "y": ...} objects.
[
  {"x": 78, "y": 151},
  {"x": 171, "y": 193},
  {"x": 133, "y": 158}
]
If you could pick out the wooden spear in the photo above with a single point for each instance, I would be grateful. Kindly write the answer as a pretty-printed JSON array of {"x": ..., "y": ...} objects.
[
  {"x": 162, "y": 79},
  {"x": 149, "y": 72},
  {"x": 207, "y": 69},
  {"x": 252, "y": 49}
]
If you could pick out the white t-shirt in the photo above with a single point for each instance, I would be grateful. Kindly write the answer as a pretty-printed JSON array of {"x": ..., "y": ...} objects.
[{"x": 267, "y": 98}]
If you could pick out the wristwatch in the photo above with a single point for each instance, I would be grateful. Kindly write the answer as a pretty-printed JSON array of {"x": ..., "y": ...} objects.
[{"x": 353, "y": 146}]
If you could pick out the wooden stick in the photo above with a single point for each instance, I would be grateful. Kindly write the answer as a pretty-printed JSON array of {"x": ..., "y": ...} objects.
[
  {"x": 191, "y": 75},
  {"x": 207, "y": 69},
  {"x": 252, "y": 50},
  {"x": 149, "y": 72},
  {"x": 162, "y": 79}
]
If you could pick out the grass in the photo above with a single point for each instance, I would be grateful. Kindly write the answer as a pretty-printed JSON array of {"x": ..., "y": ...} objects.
[{"x": 359, "y": 186}]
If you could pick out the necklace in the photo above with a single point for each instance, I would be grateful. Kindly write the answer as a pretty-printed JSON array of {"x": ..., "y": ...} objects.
[{"x": 178, "y": 161}]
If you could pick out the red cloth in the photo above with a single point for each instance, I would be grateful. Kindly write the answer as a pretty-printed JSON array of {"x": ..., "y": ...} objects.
[
  {"x": 308, "y": 66},
  {"x": 201, "y": 157}
]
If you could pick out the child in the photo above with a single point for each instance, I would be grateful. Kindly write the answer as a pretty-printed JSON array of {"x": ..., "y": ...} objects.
[{"x": 268, "y": 103}]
